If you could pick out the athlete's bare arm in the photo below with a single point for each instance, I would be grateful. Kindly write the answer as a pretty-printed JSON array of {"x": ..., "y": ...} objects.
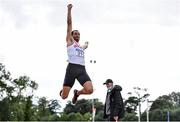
[
  {"x": 69, "y": 38},
  {"x": 85, "y": 45}
]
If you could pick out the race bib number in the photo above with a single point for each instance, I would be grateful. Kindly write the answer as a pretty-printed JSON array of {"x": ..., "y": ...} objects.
[{"x": 79, "y": 53}]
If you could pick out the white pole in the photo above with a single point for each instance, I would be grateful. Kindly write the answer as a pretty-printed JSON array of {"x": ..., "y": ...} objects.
[
  {"x": 168, "y": 116},
  {"x": 93, "y": 109},
  {"x": 139, "y": 118},
  {"x": 147, "y": 110},
  {"x": 93, "y": 115}
]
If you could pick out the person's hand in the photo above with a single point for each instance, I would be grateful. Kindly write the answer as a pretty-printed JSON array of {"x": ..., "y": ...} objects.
[
  {"x": 69, "y": 6},
  {"x": 116, "y": 118}
]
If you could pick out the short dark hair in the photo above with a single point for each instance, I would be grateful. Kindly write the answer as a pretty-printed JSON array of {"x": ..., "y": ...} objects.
[{"x": 73, "y": 32}]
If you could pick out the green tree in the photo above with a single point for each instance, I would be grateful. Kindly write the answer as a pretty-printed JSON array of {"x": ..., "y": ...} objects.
[
  {"x": 130, "y": 117},
  {"x": 24, "y": 85},
  {"x": 69, "y": 108},
  {"x": 16, "y": 97},
  {"x": 28, "y": 109},
  {"x": 162, "y": 102},
  {"x": 43, "y": 110},
  {"x": 100, "y": 116},
  {"x": 162, "y": 105},
  {"x": 78, "y": 117},
  {"x": 54, "y": 106},
  {"x": 158, "y": 115},
  {"x": 63, "y": 117},
  {"x": 5, "y": 77},
  {"x": 4, "y": 111},
  {"x": 17, "y": 111},
  {"x": 175, "y": 99},
  {"x": 71, "y": 116},
  {"x": 131, "y": 104},
  {"x": 99, "y": 106},
  {"x": 174, "y": 114},
  {"x": 84, "y": 106},
  {"x": 87, "y": 116}
]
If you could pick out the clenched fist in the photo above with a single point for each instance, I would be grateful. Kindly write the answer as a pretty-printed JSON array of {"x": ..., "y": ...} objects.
[{"x": 69, "y": 6}]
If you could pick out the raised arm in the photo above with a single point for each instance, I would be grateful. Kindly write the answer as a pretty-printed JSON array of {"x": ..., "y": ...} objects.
[{"x": 69, "y": 38}]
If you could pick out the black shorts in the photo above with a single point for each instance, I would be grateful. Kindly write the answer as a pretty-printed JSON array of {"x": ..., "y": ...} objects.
[{"x": 75, "y": 71}]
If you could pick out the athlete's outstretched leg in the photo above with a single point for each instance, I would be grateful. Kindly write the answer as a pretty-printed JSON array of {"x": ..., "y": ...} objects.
[
  {"x": 87, "y": 89},
  {"x": 65, "y": 92}
]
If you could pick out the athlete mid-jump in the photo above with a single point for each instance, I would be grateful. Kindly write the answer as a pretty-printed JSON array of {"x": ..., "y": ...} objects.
[{"x": 76, "y": 67}]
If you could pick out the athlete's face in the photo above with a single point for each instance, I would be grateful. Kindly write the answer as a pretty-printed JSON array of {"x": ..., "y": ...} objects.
[{"x": 76, "y": 36}]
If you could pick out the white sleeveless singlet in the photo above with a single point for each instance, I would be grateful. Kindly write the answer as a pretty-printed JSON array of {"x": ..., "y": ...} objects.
[{"x": 75, "y": 54}]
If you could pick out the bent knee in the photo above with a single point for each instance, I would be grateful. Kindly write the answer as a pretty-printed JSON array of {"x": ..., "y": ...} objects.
[
  {"x": 64, "y": 97},
  {"x": 89, "y": 91}
]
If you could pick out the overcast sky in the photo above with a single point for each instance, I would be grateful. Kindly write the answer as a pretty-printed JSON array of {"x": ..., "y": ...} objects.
[{"x": 135, "y": 43}]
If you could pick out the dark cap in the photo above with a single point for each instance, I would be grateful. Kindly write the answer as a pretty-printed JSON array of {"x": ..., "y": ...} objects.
[{"x": 108, "y": 81}]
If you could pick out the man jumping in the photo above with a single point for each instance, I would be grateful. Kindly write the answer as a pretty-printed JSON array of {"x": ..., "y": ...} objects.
[{"x": 76, "y": 67}]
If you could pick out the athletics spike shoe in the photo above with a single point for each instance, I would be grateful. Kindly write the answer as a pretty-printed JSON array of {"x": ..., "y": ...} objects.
[{"x": 74, "y": 99}]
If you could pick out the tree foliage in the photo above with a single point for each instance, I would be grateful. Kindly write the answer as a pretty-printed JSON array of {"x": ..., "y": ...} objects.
[
  {"x": 17, "y": 104},
  {"x": 164, "y": 104},
  {"x": 16, "y": 100}
]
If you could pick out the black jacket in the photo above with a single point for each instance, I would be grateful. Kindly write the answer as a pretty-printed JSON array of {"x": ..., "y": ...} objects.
[{"x": 116, "y": 103}]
